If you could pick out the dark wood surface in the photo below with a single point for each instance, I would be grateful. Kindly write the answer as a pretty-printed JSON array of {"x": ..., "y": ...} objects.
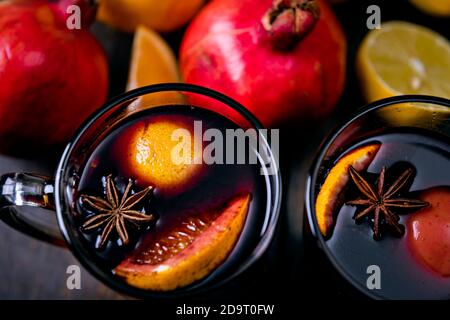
[{"x": 30, "y": 269}]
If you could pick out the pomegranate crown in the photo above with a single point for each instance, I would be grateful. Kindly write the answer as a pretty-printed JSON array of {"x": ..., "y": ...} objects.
[{"x": 289, "y": 21}]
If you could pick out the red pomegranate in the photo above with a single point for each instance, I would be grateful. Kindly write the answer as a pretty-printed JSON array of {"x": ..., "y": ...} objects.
[
  {"x": 282, "y": 59},
  {"x": 51, "y": 76}
]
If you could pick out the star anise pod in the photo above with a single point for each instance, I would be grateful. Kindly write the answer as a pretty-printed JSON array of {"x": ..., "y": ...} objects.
[
  {"x": 114, "y": 213},
  {"x": 380, "y": 201}
]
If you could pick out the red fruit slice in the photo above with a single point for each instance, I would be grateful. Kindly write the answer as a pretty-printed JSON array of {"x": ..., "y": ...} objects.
[
  {"x": 187, "y": 253},
  {"x": 429, "y": 231}
]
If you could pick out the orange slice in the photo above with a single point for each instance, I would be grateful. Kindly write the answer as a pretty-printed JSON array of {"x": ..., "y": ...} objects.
[
  {"x": 335, "y": 182},
  {"x": 187, "y": 253},
  {"x": 162, "y": 152},
  {"x": 439, "y": 8},
  {"x": 164, "y": 16},
  {"x": 152, "y": 62}
]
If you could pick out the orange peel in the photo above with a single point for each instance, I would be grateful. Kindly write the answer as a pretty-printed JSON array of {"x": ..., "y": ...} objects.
[
  {"x": 336, "y": 180},
  {"x": 200, "y": 257}
]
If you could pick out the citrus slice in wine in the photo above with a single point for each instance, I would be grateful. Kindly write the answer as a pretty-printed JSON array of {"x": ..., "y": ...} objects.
[
  {"x": 335, "y": 182},
  {"x": 189, "y": 251},
  {"x": 164, "y": 153}
]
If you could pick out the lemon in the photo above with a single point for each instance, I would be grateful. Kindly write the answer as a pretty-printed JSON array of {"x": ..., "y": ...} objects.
[{"x": 403, "y": 58}]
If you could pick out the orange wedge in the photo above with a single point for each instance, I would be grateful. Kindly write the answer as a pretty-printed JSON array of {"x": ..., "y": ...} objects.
[
  {"x": 152, "y": 62},
  {"x": 439, "y": 8},
  {"x": 161, "y": 15},
  {"x": 192, "y": 250},
  {"x": 335, "y": 182}
]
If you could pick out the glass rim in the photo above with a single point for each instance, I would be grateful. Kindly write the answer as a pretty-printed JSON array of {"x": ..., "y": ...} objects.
[
  {"x": 313, "y": 172},
  {"x": 121, "y": 286}
]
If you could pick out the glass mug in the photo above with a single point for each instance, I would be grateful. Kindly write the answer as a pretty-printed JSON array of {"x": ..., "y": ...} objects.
[
  {"x": 21, "y": 190},
  {"x": 350, "y": 249}
]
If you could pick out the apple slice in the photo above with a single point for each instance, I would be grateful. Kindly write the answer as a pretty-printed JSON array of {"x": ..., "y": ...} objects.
[
  {"x": 336, "y": 180},
  {"x": 188, "y": 252},
  {"x": 429, "y": 231}
]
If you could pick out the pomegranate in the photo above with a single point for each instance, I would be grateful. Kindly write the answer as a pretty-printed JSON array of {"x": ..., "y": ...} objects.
[
  {"x": 282, "y": 59},
  {"x": 51, "y": 77}
]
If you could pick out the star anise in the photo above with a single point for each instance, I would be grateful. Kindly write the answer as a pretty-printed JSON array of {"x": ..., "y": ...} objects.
[
  {"x": 380, "y": 202},
  {"x": 114, "y": 213}
]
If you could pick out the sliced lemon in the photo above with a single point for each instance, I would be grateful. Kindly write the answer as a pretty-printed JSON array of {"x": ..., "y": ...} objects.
[{"x": 403, "y": 58}]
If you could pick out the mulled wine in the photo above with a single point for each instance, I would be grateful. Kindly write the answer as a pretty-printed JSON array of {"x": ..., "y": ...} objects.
[
  {"x": 156, "y": 213},
  {"x": 378, "y": 201}
]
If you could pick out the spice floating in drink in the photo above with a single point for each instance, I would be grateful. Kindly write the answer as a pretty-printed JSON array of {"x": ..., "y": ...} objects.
[
  {"x": 381, "y": 201},
  {"x": 400, "y": 189},
  {"x": 114, "y": 212}
]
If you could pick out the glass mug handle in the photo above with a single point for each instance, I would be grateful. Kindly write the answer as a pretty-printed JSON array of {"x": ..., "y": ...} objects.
[{"x": 32, "y": 190}]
